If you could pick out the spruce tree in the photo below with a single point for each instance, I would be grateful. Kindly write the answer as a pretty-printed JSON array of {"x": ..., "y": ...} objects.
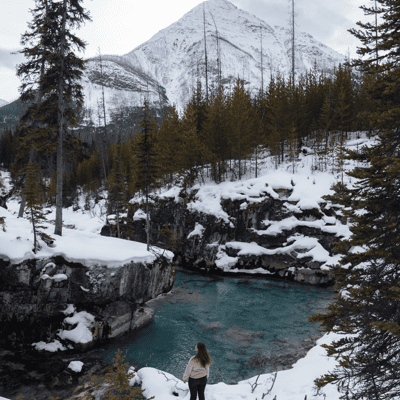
[
  {"x": 34, "y": 194},
  {"x": 117, "y": 187},
  {"x": 117, "y": 381},
  {"x": 217, "y": 134},
  {"x": 146, "y": 167},
  {"x": 195, "y": 152},
  {"x": 243, "y": 128},
  {"x": 52, "y": 72},
  {"x": 170, "y": 146},
  {"x": 368, "y": 276}
]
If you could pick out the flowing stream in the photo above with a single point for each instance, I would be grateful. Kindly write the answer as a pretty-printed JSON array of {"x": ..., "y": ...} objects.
[{"x": 248, "y": 325}]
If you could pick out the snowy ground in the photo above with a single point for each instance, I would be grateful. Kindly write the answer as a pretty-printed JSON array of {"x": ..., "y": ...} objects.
[
  {"x": 81, "y": 242},
  {"x": 292, "y": 384}
]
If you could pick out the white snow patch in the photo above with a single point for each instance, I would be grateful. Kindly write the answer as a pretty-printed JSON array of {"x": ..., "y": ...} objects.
[
  {"x": 52, "y": 347},
  {"x": 81, "y": 333},
  {"x": 329, "y": 220},
  {"x": 139, "y": 214},
  {"x": 197, "y": 231},
  {"x": 223, "y": 261},
  {"x": 69, "y": 310},
  {"x": 75, "y": 366}
]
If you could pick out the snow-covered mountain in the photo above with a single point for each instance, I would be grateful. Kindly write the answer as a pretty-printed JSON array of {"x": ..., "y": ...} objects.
[
  {"x": 173, "y": 59},
  {"x": 3, "y": 103},
  {"x": 124, "y": 85}
]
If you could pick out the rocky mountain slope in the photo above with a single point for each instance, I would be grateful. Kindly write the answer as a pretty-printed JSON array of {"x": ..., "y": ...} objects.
[{"x": 166, "y": 67}]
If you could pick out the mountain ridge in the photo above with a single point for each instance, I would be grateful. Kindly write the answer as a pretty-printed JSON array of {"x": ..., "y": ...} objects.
[
  {"x": 164, "y": 69},
  {"x": 175, "y": 55}
]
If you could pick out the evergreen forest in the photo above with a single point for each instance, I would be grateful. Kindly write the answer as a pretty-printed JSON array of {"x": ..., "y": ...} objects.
[{"x": 219, "y": 138}]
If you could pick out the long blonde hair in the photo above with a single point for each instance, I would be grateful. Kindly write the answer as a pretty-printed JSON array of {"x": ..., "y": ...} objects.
[{"x": 202, "y": 355}]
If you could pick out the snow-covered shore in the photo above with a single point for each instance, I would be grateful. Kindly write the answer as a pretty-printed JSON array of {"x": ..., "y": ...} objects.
[{"x": 292, "y": 384}]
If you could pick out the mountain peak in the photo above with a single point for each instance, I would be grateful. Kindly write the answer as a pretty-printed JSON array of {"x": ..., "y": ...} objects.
[
  {"x": 221, "y": 3},
  {"x": 174, "y": 58}
]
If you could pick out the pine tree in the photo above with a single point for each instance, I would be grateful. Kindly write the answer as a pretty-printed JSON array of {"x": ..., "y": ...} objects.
[
  {"x": 217, "y": 134},
  {"x": 146, "y": 167},
  {"x": 195, "y": 153},
  {"x": 243, "y": 128},
  {"x": 170, "y": 146},
  {"x": 293, "y": 147},
  {"x": 277, "y": 117},
  {"x": 117, "y": 186},
  {"x": 117, "y": 381},
  {"x": 53, "y": 71},
  {"x": 324, "y": 126},
  {"x": 368, "y": 277},
  {"x": 34, "y": 196}
]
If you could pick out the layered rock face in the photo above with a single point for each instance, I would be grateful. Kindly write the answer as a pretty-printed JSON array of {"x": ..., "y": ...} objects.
[
  {"x": 37, "y": 295},
  {"x": 245, "y": 241}
]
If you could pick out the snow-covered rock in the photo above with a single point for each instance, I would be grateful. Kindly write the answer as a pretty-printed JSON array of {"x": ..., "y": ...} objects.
[
  {"x": 75, "y": 366},
  {"x": 49, "y": 293}
]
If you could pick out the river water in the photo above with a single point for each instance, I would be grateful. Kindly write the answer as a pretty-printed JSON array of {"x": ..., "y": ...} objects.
[{"x": 241, "y": 320}]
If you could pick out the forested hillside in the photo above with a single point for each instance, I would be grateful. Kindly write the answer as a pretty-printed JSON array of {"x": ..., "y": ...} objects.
[{"x": 218, "y": 138}]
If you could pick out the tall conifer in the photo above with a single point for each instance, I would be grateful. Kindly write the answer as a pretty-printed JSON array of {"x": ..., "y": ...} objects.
[
  {"x": 53, "y": 71},
  {"x": 368, "y": 277},
  {"x": 34, "y": 194},
  {"x": 146, "y": 167},
  {"x": 117, "y": 187}
]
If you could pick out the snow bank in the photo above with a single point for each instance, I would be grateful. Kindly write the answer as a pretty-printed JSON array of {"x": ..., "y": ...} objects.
[
  {"x": 292, "y": 384},
  {"x": 75, "y": 245}
]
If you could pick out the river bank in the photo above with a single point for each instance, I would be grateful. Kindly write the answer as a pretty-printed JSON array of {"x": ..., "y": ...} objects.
[{"x": 42, "y": 375}]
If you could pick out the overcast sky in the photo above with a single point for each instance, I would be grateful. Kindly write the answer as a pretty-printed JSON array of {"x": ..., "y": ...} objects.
[{"x": 119, "y": 29}]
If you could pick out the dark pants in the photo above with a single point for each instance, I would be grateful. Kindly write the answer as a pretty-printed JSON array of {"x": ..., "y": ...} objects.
[{"x": 197, "y": 386}]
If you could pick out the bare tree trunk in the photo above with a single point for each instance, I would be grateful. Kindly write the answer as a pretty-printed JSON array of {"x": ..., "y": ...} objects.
[
  {"x": 293, "y": 50},
  {"x": 21, "y": 208},
  {"x": 205, "y": 52},
  {"x": 59, "y": 194},
  {"x": 34, "y": 232},
  {"x": 147, "y": 207},
  {"x": 103, "y": 99},
  {"x": 262, "y": 70}
]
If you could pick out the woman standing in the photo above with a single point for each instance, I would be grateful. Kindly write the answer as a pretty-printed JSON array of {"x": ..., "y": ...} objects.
[{"x": 197, "y": 371}]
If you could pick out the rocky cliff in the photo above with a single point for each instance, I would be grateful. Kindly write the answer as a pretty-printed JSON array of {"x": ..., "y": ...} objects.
[
  {"x": 65, "y": 305},
  {"x": 271, "y": 232}
]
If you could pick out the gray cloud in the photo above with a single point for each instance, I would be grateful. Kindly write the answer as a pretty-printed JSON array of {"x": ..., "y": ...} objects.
[{"x": 9, "y": 60}]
